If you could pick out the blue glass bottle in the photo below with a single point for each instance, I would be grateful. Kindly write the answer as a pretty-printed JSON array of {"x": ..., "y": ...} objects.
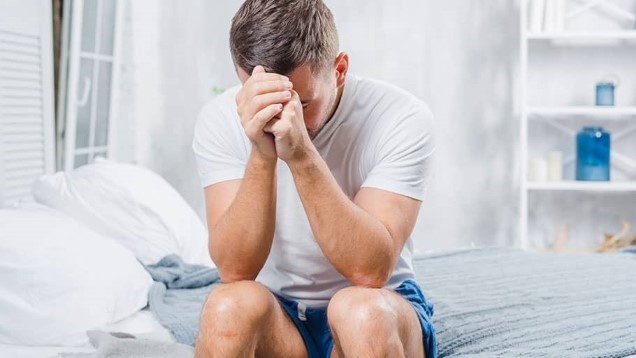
[
  {"x": 605, "y": 94},
  {"x": 593, "y": 154}
]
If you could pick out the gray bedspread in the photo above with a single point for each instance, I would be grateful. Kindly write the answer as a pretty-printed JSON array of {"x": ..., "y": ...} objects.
[
  {"x": 504, "y": 302},
  {"x": 488, "y": 302}
]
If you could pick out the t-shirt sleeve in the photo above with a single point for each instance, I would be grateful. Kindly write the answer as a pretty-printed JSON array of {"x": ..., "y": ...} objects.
[
  {"x": 402, "y": 162},
  {"x": 219, "y": 146}
]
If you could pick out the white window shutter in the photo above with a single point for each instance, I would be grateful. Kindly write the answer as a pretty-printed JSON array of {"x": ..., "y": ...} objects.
[{"x": 26, "y": 97}]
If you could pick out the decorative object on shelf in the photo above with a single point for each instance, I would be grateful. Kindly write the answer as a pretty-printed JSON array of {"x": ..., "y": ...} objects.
[
  {"x": 618, "y": 241},
  {"x": 551, "y": 16},
  {"x": 611, "y": 242},
  {"x": 605, "y": 94},
  {"x": 541, "y": 170},
  {"x": 605, "y": 91},
  {"x": 549, "y": 24},
  {"x": 593, "y": 154},
  {"x": 558, "y": 15},
  {"x": 535, "y": 18},
  {"x": 538, "y": 171},
  {"x": 546, "y": 15},
  {"x": 555, "y": 166}
]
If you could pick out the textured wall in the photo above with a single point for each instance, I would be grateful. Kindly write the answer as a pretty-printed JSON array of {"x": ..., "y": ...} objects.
[{"x": 460, "y": 56}]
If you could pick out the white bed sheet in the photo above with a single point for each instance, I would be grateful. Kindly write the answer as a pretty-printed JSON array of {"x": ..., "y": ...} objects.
[{"x": 142, "y": 324}]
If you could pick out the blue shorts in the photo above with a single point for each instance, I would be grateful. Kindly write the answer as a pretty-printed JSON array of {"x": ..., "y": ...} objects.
[{"x": 313, "y": 326}]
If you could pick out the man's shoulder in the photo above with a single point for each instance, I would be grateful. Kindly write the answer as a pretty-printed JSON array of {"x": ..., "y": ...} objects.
[
  {"x": 386, "y": 95},
  {"x": 223, "y": 103},
  {"x": 391, "y": 104},
  {"x": 219, "y": 111}
]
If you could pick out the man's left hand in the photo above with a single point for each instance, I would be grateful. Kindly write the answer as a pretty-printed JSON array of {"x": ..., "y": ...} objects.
[{"x": 290, "y": 134}]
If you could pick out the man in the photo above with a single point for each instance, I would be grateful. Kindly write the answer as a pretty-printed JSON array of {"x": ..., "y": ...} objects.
[{"x": 313, "y": 181}]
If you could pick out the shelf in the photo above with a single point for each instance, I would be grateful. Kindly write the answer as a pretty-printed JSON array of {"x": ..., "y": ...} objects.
[
  {"x": 582, "y": 186},
  {"x": 588, "y": 47},
  {"x": 584, "y": 111},
  {"x": 583, "y": 37}
]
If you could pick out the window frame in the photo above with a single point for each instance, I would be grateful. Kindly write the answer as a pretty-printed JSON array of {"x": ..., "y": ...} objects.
[{"x": 70, "y": 84}]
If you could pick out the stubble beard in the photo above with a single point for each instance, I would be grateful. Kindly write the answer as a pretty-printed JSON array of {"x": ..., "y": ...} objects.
[{"x": 333, "y": 104}]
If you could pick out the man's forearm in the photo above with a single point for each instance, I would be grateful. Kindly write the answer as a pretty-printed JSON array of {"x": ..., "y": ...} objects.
[
  {"x": 241, "y": 241},
  {"x": 358, "y": 245}
]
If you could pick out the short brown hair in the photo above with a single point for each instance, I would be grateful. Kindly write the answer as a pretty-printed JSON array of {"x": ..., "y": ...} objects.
[{"x": 282, "y": 35}]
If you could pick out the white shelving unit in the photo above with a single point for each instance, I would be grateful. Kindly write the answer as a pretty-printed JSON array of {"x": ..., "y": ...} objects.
[
  {"x": 582, "y": 37},
  {"x": 582, "y": 186},
  {"x": 601, "y": 113},
  {"x": 556, "y": 115}
]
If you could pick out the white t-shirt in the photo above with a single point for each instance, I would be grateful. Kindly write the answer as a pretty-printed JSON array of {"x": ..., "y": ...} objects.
[{"x": 380, "y": 136}]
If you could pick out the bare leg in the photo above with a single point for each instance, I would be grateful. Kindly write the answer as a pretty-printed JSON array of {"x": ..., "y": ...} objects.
[
  {"x": 244, "y": 319},
  {"x": 369, "y": 322}
]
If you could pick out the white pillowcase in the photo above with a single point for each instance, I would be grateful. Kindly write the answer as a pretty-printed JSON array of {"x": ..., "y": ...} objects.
[
  {"x": 59, "y": 279},
  {"x": 130, "y": 204}
]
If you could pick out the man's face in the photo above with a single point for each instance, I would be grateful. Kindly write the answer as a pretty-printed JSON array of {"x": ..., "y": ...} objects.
[{"x": 317, "y": 94}]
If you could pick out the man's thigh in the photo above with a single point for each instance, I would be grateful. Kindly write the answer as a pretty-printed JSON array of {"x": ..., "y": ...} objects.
[
  {"x": 247, "y": 313},
  {"x": 280, "y": 337},
  {"x": 408, "y": 324},
  {"x": 403, "y": 318}
]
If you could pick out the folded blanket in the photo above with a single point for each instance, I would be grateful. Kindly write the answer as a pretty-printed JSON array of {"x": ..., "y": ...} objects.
[
  {"x": 178, "y": 294},
  {"x": 123, "y": 345}
]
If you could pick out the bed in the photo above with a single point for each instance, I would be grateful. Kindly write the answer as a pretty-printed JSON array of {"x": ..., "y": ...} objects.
[
  {"x": 77, "y": 254},
  {"x": 492, "y": 302},
  {"x": 59, "y": 280},
  {"x": 141, "y": 324}
]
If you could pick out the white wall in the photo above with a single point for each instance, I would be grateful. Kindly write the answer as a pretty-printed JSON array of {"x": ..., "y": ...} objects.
[
  {"x": 174, "y": 53},
  {"x": 460, "y": 56}
]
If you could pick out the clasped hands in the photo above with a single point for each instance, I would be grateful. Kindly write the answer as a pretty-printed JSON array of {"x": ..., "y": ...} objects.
[{"x": 272, "y": 116}]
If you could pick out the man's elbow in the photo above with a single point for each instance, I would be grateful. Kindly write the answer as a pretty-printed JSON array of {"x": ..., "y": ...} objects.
[
  {"x": 234, "y": 273},
  {"x": 235, "y": 277},
  {"x": 375, "y": 273},
  {"x": 376, "y": 279}
]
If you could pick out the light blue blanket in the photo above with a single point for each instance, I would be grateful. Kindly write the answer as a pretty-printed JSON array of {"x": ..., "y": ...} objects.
[
  {"x": 177, "y": 296},
  {"x": 500, "y": 302}
]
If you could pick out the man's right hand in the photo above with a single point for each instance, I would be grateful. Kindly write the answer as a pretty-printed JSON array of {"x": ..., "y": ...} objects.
[{"x": 260, "y": 99}]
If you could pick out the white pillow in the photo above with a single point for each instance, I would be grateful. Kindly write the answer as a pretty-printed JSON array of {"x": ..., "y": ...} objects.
[
  {"x": 60, "y": 279},
  {"x": 130, "y": 204}
]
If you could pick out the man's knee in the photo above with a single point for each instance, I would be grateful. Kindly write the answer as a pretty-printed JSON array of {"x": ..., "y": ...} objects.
[
  {"x": 243, "y": 302},
  {"x": 362, "y": 308},
  {"x": 231, "y": 316},
  {"x": 364, "y": 323}
]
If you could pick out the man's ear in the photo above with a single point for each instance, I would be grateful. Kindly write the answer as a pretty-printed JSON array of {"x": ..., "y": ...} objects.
[
  {"x": 242, "y": 75},
  {"x": 341, "y": 66}
]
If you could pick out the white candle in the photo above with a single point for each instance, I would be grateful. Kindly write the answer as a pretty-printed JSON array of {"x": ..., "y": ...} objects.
[
  {"x": 535, "y": 14},
  {"x": 538, "y": 170},
  {"x": 559, "y": 15},
  {"x": 555, "y": 166},
  {"x": 550, "y": 16}
]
